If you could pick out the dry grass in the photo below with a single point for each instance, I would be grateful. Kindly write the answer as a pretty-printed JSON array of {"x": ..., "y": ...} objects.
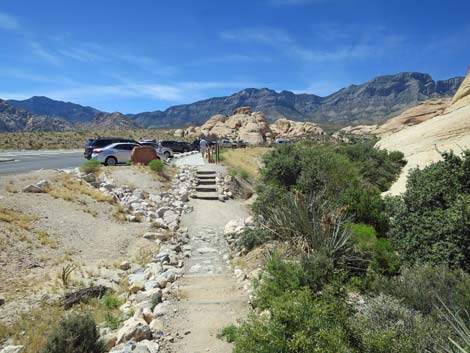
[
  {"x": 45, "y": 240},
  {"x": 245, "y": 161},
  {"x": 73, "y": 139},
  {"x": 145, "y": 254},
  {"x": 33, "y": 327},
  {"x": 16, "y": 219}
]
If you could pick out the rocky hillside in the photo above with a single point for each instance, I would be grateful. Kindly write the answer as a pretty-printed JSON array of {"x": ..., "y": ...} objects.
[
  {"x": 422, "y": 143},
  {"x": 372, "y": 102},
  {"x": 14, "y": 119},
  {"x": 49, "y": 107},
  {"x": 116, "y": 121}
]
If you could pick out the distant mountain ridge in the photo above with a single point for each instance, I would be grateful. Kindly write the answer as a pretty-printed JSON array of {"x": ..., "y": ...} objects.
[
  {"x": 13, "y": 119},
  {"x": 372, "y": 102},
  {"x": 49, "y": 107}
]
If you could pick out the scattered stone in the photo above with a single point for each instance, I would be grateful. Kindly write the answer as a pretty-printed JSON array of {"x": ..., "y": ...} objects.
[
  {"x": 125, "y": 265},
  {"x": 136, "y": 286},
  {"x": 2, "y": 300},
  {"x": 32, "y": 189},
  {"x": 156, "y": 325},
  {"x": 134, "y": 329}
]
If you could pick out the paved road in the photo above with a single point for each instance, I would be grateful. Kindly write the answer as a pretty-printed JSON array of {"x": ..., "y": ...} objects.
[{"x": 18, "y": 162}]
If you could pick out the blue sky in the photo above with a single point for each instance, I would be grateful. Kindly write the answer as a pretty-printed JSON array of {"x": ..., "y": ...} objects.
[{"x": 142, "y": 55}]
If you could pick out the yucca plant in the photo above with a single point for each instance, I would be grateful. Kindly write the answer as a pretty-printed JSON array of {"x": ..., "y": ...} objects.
[
  {"x": 311, "y": 224},
  {"x": 461, "y": 342}
]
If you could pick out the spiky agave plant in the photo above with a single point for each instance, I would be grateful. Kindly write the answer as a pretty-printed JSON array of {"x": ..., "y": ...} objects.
[
  {"x": 312, "y": 224},
  {"x": 460, "y": 328}
]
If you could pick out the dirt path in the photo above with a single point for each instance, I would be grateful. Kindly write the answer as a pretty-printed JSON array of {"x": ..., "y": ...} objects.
[{"x": 210, "y": 297}]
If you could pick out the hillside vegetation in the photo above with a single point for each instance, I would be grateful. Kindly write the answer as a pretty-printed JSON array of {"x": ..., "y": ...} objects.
[
  {"x": 359, "y": 273},
  {"x": 72, "y": 139}
]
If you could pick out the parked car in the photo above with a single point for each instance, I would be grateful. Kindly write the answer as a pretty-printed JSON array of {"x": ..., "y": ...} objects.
[
  {"x": 116, "y": 153},
  {"x": 177, "y": 146},
  {"x": 227, "y": 144},
  {"x": 101, "y": 142},
  {"x": 282, "y": 141},
  {"x": 162, "y": 152}
]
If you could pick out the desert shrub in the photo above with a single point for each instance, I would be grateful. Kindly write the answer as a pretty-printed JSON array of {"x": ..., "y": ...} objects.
[
  {"x": 75, "y": 334},
  {"x": 110, "y": 301},
  {"x": 279, "y": 277},
  {"x": 379, "y": 167},
  {"x": 156, "y": 165},
  {"x": 282, "y": 165},
  {"x": 251, "y": 238},
  {"x": 244, "y": 174},
  {"x": 431, "y": 222},
  {"x": 296, "y": 323},
  {"x": 319, "y": 271},
  {"x": 420, "y": 287},
  {"x": 90, "y": 166},
  {"x": 379, "y": 252},
  {"x": 384, "y": 325}
]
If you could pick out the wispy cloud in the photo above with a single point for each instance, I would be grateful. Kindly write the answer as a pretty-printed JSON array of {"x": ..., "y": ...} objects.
[
  {"x": 42, "y": 53},
  {"x": 342, "y": 48},
  {"x": 8, "y": 22}
]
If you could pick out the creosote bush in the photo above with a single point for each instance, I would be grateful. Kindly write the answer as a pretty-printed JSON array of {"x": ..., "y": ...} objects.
[
  {"x": 156, "y": 165},
  {"x": 90, "y": 166},
  {"x": 75, "y": 334}
]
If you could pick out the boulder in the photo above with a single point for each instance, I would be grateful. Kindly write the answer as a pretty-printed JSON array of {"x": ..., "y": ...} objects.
[
  {"x": 179, "y": 133},
  {"x": 12, "y": 349},
  {"x": 235, "y": 226},
  {"x": 125, "y": 265},
  {"x": 156, "y": 325},
  {"x": 137, "y": 286},
  {"x": 134, "y": 329},
  {"x": 143, "y": 155},
  {"x": 32, "y": 189}
]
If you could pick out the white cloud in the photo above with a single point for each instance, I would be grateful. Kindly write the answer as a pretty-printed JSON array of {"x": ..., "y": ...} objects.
[
  {"x": 369, "y": 43},
  {"x": 8, "y": 22},
  {"x": 39, "y": 51}
]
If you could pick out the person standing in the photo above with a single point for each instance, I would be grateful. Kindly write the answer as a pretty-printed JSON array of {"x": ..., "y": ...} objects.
[{"x": 202, "y": 147}]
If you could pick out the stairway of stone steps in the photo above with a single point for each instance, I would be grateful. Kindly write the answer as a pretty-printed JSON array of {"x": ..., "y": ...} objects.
[{"x": 206, "y": 188}]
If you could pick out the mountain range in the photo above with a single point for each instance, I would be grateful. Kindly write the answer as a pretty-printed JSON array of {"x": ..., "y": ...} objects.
[{"x": 372, "y": 102}]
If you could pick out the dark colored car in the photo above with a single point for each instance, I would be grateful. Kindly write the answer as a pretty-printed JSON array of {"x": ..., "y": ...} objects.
[
  {"x": 177, "y": 146},
  {"x": 101, "y": 142}
]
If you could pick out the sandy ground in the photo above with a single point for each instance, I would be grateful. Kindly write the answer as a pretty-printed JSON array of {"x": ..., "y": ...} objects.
[
  {"x": 210, "y": 297},
  {"x": 84, "y": 232}
]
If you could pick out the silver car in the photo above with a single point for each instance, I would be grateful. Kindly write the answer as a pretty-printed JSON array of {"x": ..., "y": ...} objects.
[
  {"x": 163, "y": 152},
  {"x": 115, "y": 153}
]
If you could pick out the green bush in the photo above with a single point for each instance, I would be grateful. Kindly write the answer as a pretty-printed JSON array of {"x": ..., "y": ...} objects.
[
  {"x": 296, "y": 323},
  {"x": 319, "y": 271},
  {"x": 384, "y": 325},
  {"x": 421, "y": 286},
  {"x": 156, "y": 165},
  {"x": 110, "y": 301},
  {"x": 90, "y": 166},
  {"x": 431, "y": 222},
  {"x": 251, "y": 238},
  {"x": 75, "y": 334},
  {"x": 379, "y": 252}
]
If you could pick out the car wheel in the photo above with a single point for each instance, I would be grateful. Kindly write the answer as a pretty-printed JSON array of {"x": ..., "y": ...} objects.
[
  {"x": 110, "y": 161},
  {"x": 167, "y": 155}
]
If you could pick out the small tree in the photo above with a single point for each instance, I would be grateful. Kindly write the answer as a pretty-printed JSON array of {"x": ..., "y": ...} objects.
[{"x": 75, "y": 334}]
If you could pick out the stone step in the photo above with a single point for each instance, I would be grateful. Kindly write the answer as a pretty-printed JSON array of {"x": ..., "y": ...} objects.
[
  {"x": 206, "y": 177},
  {"x": 205, "y": 172},
  {"x": 206, "y": 189},
  {"x": 207, "y": 196},
  {"x": 206, "y": 182}
]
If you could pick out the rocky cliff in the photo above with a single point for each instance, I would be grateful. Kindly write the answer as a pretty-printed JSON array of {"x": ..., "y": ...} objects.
[{"x": 370, "y": 103}]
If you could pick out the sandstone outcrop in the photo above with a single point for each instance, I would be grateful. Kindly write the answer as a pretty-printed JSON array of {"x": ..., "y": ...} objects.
[
  {"x": 250, "y": 127},
  {"x": 288, "y": 128},
  {"x": 423, "y": 144},
  {"x": 462, "y": 96}
]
